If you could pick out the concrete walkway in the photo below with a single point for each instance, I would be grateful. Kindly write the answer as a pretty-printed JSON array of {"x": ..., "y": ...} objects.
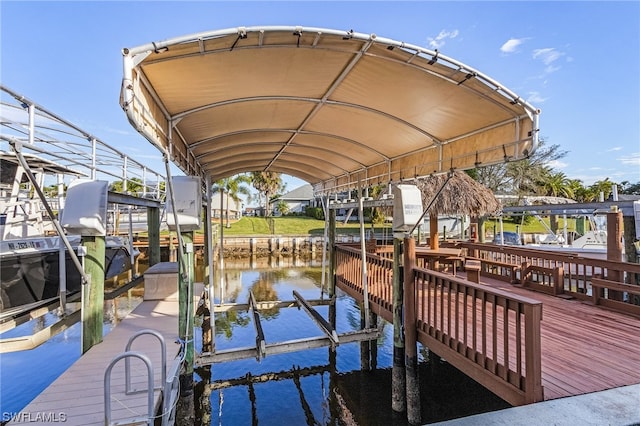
[{"x": 615, "y": 407}]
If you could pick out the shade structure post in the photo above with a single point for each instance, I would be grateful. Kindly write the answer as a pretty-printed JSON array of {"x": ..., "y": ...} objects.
[
  {"x": 209, "y": 260},
  {"x": 363, "y": 252},
  {"x": 185, "y": 329}
]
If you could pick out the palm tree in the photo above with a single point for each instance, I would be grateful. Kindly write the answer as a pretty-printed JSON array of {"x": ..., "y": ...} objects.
[
  {"x": 232, "y": 187},
  {"x": 519, "y": 177},
  {"x": 556, "y": 184},
  {"x": 267, "y": 183},
  {"x": 602, "y": 186}
]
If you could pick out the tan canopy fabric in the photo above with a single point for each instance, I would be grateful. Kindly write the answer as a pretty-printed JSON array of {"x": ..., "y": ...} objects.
[{"x": 335, "y": 108}]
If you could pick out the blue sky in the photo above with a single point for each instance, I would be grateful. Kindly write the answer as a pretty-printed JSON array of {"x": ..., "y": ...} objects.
[{"x": 579, "y": 62}]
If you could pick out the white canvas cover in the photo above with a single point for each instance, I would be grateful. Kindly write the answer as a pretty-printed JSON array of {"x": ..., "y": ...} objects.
[{"x": 334, "y": 108}]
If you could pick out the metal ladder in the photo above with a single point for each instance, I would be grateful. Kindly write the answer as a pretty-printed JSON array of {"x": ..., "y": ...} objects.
[{"x": 169, "y": 386}]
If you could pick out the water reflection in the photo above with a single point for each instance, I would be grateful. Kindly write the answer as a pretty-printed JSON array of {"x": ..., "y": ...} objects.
[{"x": 348, "y": 385}]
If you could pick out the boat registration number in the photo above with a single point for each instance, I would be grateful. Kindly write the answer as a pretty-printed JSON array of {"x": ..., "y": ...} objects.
[{"x": 20, "y": 245}]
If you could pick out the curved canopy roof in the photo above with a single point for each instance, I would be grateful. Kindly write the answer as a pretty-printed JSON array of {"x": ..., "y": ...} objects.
[{"x": 334, "y": 108}]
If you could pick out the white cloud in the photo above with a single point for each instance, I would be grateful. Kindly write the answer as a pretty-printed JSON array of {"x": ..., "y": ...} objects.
[
  {"x": 547, "y": 55},
  {"x": 438, "y": 41},
  {"x": 551, "y": 69},
  {"x": 535, "y": 98},
  {"x": 631, "y": 160},
  {"x": 615, "y": 148},
  {"x": 511, "y": 45},
  {"x": 557, "y": 164}
]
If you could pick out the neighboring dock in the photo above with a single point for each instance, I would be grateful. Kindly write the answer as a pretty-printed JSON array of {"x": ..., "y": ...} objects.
[{"x": 77, "y": 396}]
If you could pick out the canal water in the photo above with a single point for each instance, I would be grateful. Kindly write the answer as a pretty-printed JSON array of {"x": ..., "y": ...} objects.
[
  {"x": 311, "y": 387},
  {"x": 24, "y": 374}
]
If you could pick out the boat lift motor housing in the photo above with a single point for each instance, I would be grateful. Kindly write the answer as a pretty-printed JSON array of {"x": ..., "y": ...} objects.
[
  {"x": 407, "y": 207},
  {"x": 85, "y": 211},
  {"x": 188, "y": 199}
]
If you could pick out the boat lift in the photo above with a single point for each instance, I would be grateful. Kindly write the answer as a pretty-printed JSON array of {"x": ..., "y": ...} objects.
[
  {"x": 262, "y": 349},
  {"x": 28, "y": 129}
]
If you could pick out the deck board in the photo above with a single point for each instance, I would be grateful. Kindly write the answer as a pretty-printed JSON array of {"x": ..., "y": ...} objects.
[
  {"x": 79, "y": 391},
  {"x": 585, "y": 348}
]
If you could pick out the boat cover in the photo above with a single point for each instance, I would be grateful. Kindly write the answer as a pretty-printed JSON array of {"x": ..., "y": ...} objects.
[{"x": 335, "y": 108}]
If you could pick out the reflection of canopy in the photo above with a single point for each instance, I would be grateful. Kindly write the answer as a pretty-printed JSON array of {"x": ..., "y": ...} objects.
[
  {"x": 461, "y": 196},
  {"x": 330, "y": 107}
]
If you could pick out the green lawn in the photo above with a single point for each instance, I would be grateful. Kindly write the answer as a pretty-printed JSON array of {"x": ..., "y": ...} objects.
[
  {"x": 289, "y": 225},
  {"x": 293, "y": 225}
]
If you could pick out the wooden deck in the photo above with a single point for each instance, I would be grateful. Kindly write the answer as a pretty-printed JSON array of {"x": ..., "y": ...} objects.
[
  {"x": 77, "y": 396},
  {"x": 584, "y": 348}
]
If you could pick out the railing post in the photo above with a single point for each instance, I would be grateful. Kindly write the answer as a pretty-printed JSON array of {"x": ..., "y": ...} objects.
[
  {"x": 558, "y": 280},
  {"x": 533, "y": 352},
  {"x": 410, "y": 332}
]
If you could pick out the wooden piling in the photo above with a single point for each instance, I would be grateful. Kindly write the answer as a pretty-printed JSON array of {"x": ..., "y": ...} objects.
[
  {"x": 93, "y": 298},
  {"x": 434, "y": 243},
  {"x": 398, "y": 375},
  {"x": 365, "y": 346},
  {"x": 629, "y": 229},
  {"x": 410, "y": 333},
  {"x": 153, "y": 229},
  {"x": 614, "y": 248}
]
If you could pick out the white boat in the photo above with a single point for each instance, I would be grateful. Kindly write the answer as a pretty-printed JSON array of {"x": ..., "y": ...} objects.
[
  {"x": 58, "y": 152},
  {"x": 451, "y": 226},
  {"x": 30, "y": 267},
  {"x": 592, "y": 244}
]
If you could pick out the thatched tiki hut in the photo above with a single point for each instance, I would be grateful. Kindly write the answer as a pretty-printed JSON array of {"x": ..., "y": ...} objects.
[{"x": 461, "y": 196}]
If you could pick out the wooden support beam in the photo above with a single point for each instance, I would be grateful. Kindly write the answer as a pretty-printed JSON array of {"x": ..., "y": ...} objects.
[
  {"x": 260, "y": 343},
  {"x": 317, "y": 318}
]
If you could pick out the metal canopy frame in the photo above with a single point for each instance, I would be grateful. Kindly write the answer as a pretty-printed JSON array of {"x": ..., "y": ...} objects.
[{"x": 328, "y": 106}]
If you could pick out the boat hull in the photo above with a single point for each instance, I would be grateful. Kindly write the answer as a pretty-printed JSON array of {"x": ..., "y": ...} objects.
[{"x": 30, "y": 271}]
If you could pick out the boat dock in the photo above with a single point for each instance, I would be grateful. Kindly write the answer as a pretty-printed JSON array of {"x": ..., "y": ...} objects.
[
  {"x": 77, "y": 397},
  {"x": 526, "y": 346}
]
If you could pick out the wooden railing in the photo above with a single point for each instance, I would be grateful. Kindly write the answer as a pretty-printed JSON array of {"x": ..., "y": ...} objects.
[
  {"x": 568, "y": 274},
  {"x": 492, "y": 336},
  {"x": 379, "y": 278}
]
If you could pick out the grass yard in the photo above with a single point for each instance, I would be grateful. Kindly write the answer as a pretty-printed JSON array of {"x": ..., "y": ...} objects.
[
  {"x": 295, "y": 225},
  {"x": 289, "y": 225}
]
